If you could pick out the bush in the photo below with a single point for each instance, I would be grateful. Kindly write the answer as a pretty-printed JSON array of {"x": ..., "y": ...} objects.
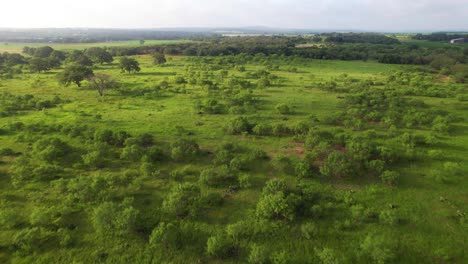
[
  {"x": 184, "y": 149},
  {"x": 390, "y": 177},
  {"x": 283, "y": 109},
  {"x": 378, "y": 248},
  {"x": 8, "y": 219},
  {"x": 389, "y": 217},
  {"x": 262, "y": 130},
  {"x": 258, "y": 254},
  {"x": 182, "y": 200},
  {"x": 111, "y": 219},
  {"x": 239, "y": 125},
  {"x": 277, "y": 206},
  {"x": 309, "y": 230},
  {"x": 244, "y": 181},
  {"x": 219, "y": 245},
  {"x": 216, "y": 177}
]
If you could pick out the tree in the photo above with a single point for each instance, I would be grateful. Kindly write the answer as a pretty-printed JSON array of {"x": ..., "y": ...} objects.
[
  {"x": 39, "y": 65},
  {"x": 102, "y": 82},
  {"x": 74, "y": 73},
  {"x": 129, "y": 65},
  {"x": 43, "y": 52},
  {"x": 159, "y": 58},
  {"x": 99, "y": 55},
  {"x": 142, "y": 41}
]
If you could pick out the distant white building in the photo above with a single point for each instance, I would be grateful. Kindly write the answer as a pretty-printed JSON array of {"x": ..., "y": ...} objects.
[{"x": 458, "y": 40}]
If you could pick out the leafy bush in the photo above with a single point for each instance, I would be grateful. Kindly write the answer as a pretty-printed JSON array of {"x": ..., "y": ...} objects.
[
  {"x": 182, "y": 200},
  {"x": 258, "y": 254},
  {"x": 239, "y": 125},
  {"x": 390, "y": 177},
  {"x": 184, "y": 149},
  {"x": 378, "y": 248},
  {"x": 283, "y": 109},
  {"x": 111, "y": 219},
  {"x": 217, "y": 177},
  {"x": 309, "y": 230},
  {"x": 219, "y": 245}
]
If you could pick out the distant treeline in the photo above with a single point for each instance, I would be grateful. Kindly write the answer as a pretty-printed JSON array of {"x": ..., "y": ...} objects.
[
  {"x": 439, "y": 36},
  {"x": 93, "y": 35},
  {"x": 371, "y": 38},
  {"x": 394, "y": 54},
  {"x": 43, "y": 59}
]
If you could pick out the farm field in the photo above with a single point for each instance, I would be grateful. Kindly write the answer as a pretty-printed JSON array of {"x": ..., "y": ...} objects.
[{"x": 233, "y": 159}]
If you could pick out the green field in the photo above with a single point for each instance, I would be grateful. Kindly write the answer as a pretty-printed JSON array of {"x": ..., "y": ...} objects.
[
  {"x": 18, "y": 46},
  {"x": 101, "y": 202}
]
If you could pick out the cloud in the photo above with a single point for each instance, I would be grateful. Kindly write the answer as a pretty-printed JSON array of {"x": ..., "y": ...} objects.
[{"x": 390, "y": 15}]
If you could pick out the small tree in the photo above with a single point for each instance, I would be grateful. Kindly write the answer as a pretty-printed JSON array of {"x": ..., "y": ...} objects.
[
  {"x": 129, "y": 65},
  {"x": 102, "y": 82},
  {"x": 74, "y": 73},
  {"x": 159, "y": 58}
]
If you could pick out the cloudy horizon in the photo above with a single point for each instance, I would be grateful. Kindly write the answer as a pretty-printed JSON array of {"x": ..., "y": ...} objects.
[{"x": 369, "y": 15}]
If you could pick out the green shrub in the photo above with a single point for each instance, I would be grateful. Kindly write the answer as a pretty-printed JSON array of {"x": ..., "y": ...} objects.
[
  {"x": 216, "y": 177},
  {"x": 184, "y": 149},
  {"x": 283, "y": 109},
  {"x": 258, "y": 254},
  {"x": 238, "y": 125},
  {"x": 390, "y": 177},
  {"x": 182, "y": 200},
  {"x": 219, "y": 245},
  {"x": 309, "y": 230}
]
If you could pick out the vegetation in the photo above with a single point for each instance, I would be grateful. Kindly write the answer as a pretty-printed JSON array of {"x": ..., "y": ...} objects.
[{"x": 239, "y": 150}]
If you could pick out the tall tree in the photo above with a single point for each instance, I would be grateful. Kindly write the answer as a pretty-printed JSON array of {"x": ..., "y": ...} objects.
[
  {"x": 129, "y": 65},
  {"x": 74, "y": 73},
  {"x": 102, "y": 82}
]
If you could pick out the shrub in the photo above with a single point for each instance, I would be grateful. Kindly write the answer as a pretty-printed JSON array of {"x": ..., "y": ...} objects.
[
  {"x": 132, "y": 152},
  {"x": 111, "y": 219},
  {"x": 283, "y": 109},
  {"x": 244, "y": 181},
  {"x": 30, "y": 239},
  {"x": 327, "y": 256},
  {"x": 378, "y": 248},
  {"x": 283, "y": 164},
  {"x": 262, "y": 130},
  {"x": 216, "y": 177},
  {"x": 277, "y": 206},
  {"x": 238, "y": 125},
  {"x": 8, "y": 219},
  {"x": 258, "y": 254},
  {"x": 309, "y": 230},
  {"x": 389, "y": 217},
  {"x": 167, "y": 235},
  {"x": 184, "y": 149},
  {"x": 182, "y": 200},
  {"x": 390, "y": 177},
  {"x": 221, "y": 246}
]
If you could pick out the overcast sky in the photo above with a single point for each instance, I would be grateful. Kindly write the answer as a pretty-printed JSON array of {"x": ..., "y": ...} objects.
[{"x": 381, "y": 15}]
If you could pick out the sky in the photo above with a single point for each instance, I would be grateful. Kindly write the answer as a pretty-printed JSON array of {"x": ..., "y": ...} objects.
[{"x": 375, "y": 15}]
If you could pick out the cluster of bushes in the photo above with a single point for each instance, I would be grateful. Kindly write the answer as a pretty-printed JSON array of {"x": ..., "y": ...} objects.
[{"x": 10, "y": 104}]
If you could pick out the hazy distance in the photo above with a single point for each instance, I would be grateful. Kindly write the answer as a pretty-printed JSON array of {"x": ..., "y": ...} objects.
[{"x": 370, "y": 15}]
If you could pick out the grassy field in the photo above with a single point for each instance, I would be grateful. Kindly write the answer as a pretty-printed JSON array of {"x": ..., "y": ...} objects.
[
  {"x": 18, "y": 46},
  {"x": 428, "y": 229}
]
